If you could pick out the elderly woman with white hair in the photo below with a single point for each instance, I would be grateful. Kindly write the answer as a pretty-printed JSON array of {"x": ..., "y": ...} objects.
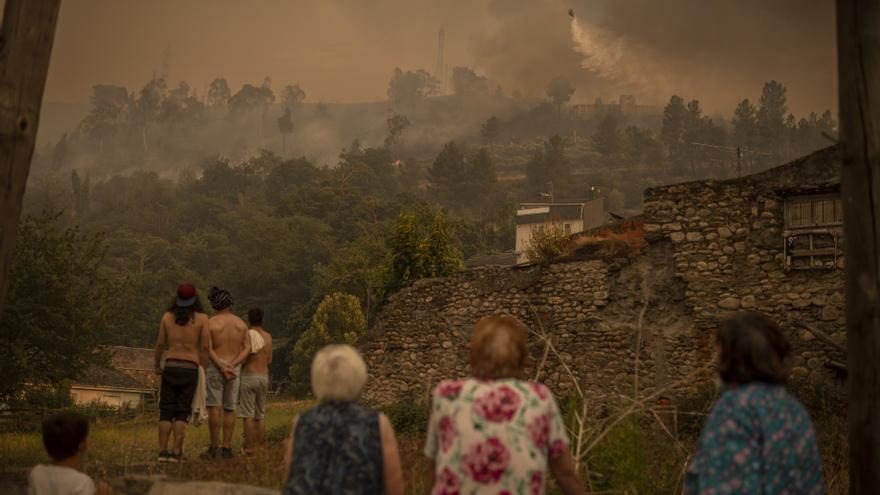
[
  {"x": 338, "y": 446},
  {"x": 495, "y": 432}
]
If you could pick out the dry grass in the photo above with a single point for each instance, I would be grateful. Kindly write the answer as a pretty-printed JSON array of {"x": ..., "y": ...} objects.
[{"x": 131, "y": 448}]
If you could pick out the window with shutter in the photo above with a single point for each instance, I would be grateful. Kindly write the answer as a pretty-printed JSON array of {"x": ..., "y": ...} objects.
[{"x": 813, "y": 231}]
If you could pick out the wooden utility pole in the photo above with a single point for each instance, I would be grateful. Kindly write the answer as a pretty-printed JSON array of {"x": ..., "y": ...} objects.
[
  {"x": 858, "y": 56},
  {"x": 25, "y": 45}
]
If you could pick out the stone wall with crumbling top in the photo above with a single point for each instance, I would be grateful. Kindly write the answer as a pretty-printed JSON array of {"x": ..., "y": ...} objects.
[
  {"x": 590, "y": 308},
  {"x": 713, "y": 248},
  {"x": 728, "y": 249}
]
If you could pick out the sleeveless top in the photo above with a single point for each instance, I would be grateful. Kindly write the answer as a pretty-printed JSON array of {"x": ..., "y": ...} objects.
[{"x": 337, "y": 449}]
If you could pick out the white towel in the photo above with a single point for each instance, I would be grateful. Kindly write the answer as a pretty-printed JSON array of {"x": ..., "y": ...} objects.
[
  {"x": 257, "y": 341},
  {"x": 199, "y": 412}
]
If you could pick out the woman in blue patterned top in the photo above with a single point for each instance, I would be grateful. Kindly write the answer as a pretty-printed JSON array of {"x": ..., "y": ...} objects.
[
  {"x": 758, "y": 438},
  {"x": 339, "y": 447}
]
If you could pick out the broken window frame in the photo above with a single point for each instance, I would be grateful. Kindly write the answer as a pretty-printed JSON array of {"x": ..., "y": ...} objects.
[{"x": 820, "y": 222}]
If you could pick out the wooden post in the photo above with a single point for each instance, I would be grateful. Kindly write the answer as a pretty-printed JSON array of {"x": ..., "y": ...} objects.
[
  {"x": 858, "y": 55},
  {"x": 25, "y": 45}
]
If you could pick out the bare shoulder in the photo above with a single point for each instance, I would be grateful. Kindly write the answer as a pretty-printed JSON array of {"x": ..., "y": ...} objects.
[
  {"x": 202, "y": 319},
  {"x": 240, "y": 324}
]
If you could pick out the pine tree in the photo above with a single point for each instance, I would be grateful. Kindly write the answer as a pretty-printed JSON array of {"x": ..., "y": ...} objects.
[{"x": 672, "y": 130}]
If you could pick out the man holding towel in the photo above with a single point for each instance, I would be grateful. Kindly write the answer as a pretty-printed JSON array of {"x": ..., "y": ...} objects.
[
  {"x": 255, "y": 383},
  {"x": 228, "y": 345}
]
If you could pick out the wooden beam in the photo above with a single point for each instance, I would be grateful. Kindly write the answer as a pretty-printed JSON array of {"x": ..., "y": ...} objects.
[
  {"x": 25, "y": 46},
  {"x": 858, "y": 55}
]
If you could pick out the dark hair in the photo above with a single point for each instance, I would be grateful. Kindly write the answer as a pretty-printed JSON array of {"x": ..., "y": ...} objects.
[
  {"x": 255, "y": 316},
  {"x": 220, "y": 298},
  {"x": 183, "y": 314},
  {"x": 753, "y": 349},
  {"x": 63, "y": 433}
]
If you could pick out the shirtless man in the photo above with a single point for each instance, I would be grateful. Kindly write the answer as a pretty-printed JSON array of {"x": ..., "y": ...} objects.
[
  {"x": 228, "y": 344},
  {"x": 182, "y": 330},
  {"x": 255, "y": 386}
]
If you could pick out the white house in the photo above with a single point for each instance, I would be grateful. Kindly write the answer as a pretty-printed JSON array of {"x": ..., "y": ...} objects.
[
  {"x": 573, "y": 217},
  {"x": 112, "y": 387}
]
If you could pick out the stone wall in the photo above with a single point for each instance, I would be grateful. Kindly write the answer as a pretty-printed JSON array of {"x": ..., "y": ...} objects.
[
  {"x": 713, "y": 248},
  {"x": 590, "y": 307},
  {"x": 727, "y": 240}
]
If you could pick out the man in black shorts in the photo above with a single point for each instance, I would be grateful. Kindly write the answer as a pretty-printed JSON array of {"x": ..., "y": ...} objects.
[{"x": 181, "y": 330}]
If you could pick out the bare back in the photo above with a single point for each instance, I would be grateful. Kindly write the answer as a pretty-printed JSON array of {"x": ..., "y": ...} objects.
[
  {"x": 227, "y": 333},
  {"x": 259, "y": 362},
  {"x": 183, "y": 341}
]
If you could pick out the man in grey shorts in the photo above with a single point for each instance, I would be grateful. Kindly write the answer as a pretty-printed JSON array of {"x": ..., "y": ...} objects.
[
  {"x": 255, "y": 386},
  {"x": 228, "y": 345}
]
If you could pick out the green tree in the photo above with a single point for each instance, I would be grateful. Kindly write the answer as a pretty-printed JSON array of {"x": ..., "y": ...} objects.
[
  {"x": 640, "y": 146},
  {"x": 606, "y": 139},
  {"x": 409, "y": 174},
  {"x": 285, "y": 127},
  {"x": 292, "y": 96},
  {"x": 419, "y": 247},
  {"x": 745, "y": 124},
  {"x": 770, "y": 121},
  {"x": 549, "y": 168},
  {"x": 354, "y": 269},
  {"x": 250, "y": 99},
  {"x": 482, "y": 177},
  {"x": 57, "y": 308},
  {"x": 218, "y": 93},
  {"x": 410, "y": 87},
  {"x": 448, "y": 174},
  {"x": 337, "y": 320},
  {"x": 396, "y": 124},
  {"x": 439, "y": 257},
  {"x": 466, "y": 82},
  {"x": 559, "y": 91},
  {"x": 110, "y": 108},
  {"x": 81, "y": 193},
  {"x": 490, "y": 130},
  {"x": 673, "y": 128}
]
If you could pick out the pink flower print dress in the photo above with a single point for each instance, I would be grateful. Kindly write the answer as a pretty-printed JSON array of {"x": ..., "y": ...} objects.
[{"x": 493, "y": 436}]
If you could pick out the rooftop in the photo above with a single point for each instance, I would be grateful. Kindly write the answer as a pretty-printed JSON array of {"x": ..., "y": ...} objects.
[
  {"x": 133, "y": 358},
  {"x": 100, "y": 376}
]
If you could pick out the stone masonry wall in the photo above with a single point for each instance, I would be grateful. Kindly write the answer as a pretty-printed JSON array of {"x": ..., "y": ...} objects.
[
  {"x": 591, "y": 309},
  {"x": 728, "y": 249},
  {"x": 714, "y": 247}
]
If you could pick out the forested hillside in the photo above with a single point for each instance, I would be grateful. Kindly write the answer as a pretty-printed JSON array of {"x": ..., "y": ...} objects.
[{"x": 239, "y": 190}]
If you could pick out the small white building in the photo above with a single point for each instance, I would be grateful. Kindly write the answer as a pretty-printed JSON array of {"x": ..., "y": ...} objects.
[
  {"x": 109, "y": 386},
  {"x": 573, "y": 217}
]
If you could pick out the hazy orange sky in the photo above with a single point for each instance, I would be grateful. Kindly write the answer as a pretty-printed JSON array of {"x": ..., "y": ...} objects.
[{"x": 346, "y": 50}]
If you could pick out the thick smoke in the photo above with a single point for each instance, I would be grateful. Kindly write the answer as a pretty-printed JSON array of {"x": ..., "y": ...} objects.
[{"x": 718, "y": 52}]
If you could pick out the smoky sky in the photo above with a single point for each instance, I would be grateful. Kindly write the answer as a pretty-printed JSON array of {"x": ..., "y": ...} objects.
[{"x": 345, "y": 50}]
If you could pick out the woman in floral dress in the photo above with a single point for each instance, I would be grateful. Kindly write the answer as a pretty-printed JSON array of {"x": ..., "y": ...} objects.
[
  {"x": 495, "y": 433},
  {"x": 758, "y": 438}
]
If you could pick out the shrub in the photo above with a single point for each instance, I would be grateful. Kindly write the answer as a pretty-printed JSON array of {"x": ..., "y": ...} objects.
[
  {"x": 546, "y": 243},
  {"x": 338, "y": 320},
  {"x": 408, "y": 415}
]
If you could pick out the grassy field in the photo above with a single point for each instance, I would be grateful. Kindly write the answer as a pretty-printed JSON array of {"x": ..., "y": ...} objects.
[
  {"x": 117, "y": 449},
  {"x": 131, "y": 448},
  {"x": 632, "y": 459}
]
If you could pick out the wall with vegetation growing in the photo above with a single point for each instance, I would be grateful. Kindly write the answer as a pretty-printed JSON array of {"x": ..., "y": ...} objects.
[{"x": 622, "y": 320}]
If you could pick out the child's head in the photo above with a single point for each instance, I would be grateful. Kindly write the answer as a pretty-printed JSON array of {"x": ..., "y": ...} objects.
[{"x": 64, "y": 435}]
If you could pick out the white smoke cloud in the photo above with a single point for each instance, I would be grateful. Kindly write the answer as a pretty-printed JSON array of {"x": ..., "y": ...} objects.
[{"x": 617, "y": 60}]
